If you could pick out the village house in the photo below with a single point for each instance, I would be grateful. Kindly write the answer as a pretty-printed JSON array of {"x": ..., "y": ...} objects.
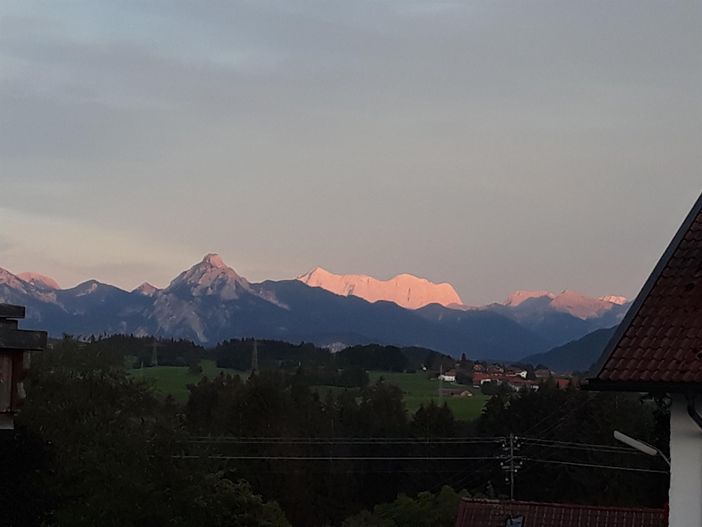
[
  {"x": 658, "y": 349},
  {"x": 519, "y": 372},
  {"x": 495, "y": 369},
  {"x": 449, "y": 376},
  {"x": 563, "y": 382},
  {"x": 515, "y": 380},
  {"x": 518, "y": 383},
  {"x": 542, "y": 373},
  {"x": 479, "y": 378}
]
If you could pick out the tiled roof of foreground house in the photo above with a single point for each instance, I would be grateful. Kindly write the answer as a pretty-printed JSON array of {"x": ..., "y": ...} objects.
[
  {"x": 658, "y": 346},
  {"x": 492, "y": 513}
]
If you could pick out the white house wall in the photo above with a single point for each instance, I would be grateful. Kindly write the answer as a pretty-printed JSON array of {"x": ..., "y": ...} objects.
[{"x": 686, "y": 467}]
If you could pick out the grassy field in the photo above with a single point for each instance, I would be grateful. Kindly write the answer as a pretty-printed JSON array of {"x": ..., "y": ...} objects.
[
  {"x": 173, "y": 380},
  {"x": 418, "y": 389}
]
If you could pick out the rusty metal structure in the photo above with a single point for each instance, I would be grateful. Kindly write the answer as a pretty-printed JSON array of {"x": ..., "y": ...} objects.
[{"x": 15, "y": 348}]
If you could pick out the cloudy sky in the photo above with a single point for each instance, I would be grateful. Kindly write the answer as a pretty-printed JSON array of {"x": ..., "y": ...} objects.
[{"x": 495, "y": 145}]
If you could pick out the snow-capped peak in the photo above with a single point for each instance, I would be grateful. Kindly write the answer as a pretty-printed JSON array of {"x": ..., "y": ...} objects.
[
  {"x": 579, "y": 305},
  {"x": 567, "y": 301},
  {"x": 39, "y": 281},
  {"x": 614, "y": 299},
  {"x": 519, "y": 297},
  {"x": 316, "y": 274},
  {"x": 406, "y": 290}
]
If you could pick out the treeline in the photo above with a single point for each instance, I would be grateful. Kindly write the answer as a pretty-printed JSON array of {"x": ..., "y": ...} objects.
[
  {"x": 136, "y": 352},
  {"x": 273, "y": 354}
]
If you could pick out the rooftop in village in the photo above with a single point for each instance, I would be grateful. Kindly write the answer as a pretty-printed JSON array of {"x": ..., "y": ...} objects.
[{"x": 494, "y": 513}]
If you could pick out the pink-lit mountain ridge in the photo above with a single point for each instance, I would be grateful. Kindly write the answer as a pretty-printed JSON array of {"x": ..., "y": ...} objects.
[
  {"x": 404, "y": 290},
  {"x": 210, "y": 302},
  {"x": 557, "y": 318},
  {"x": 567, "y": 301}
]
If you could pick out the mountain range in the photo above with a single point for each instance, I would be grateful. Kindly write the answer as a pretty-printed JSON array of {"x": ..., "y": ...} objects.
[{"x": 210, "y": 302}]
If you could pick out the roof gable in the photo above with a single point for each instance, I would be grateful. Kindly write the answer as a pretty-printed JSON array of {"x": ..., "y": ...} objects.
[{"x": 659, "y": 342}]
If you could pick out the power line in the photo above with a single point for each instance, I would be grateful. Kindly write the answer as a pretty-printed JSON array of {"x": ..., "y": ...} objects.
[
  {"x": 531, "y": 441},
  {"x": 511, "y": 459},
  {"x": 587, "y": 447},
  {"x": 357, "y": 438},
  {"x": 342, "y": 441},
  {"x": 574, "y": 443},
  {"x": 593, "y": 465},
  {"x": 341, "y": 458}
]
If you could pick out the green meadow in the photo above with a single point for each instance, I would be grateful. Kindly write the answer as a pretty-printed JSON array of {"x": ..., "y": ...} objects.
[
  {"x": 417, "y": 388},
  {"x": 173, "y": 380}
]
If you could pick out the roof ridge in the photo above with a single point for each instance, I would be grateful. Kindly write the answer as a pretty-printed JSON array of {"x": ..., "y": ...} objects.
[
  {"x": 649, "y": 285},
  {"x": 555, "y": 504}
]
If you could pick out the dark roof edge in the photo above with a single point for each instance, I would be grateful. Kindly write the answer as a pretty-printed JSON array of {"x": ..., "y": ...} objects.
[
  {"x": 12, "y": 311},
  {"x": 649, "y": 285}
]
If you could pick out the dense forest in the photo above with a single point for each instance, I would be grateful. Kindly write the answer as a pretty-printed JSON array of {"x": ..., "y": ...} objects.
[{"x": 97, "y": 446}]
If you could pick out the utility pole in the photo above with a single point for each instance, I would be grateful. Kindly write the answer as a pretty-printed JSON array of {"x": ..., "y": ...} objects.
[
  {"x": 441, "y": 380},
  {"x": 511, "y": 463},
  {"x": 154, "y": 352}
]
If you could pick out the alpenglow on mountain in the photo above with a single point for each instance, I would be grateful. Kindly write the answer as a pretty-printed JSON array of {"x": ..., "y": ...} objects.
[
  {"x": 404, "y": 290},
  {"x": 211, "y": 302},
  {"x": 567, "y": 301}
]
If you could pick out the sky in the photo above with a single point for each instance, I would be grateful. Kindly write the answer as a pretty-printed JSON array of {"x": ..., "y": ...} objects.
[{"x": 494, "y": 145}]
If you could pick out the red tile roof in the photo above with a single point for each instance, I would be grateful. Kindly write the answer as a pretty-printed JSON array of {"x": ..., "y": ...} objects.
[
  {"x": 659, "y": 343},
  {"x": 492, "y": 513}
]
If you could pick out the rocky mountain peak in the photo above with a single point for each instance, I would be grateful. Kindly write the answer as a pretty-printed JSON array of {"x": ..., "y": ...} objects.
[
  {"x": 10, "y": 280},
  {"x": 214, "y": 260},
  {"x": 146, "y": 289},
  {"x": 211, "y": 276}
]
